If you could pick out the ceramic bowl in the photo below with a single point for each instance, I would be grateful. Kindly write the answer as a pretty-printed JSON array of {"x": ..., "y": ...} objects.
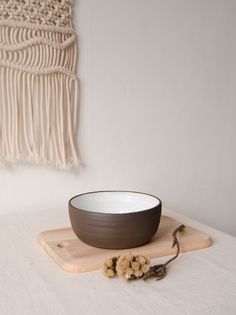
[{"x": 115, "y": 219}]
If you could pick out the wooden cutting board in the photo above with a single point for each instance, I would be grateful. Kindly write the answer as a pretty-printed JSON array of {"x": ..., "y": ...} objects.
[{"x": 73, "y": 255}]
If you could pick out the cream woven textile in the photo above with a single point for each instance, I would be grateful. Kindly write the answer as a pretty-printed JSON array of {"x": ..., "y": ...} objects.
[{"x": 38, "y": 84}]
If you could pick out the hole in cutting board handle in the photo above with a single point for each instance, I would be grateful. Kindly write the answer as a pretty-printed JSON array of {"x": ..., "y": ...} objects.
[{"x": 63, "y": 245}]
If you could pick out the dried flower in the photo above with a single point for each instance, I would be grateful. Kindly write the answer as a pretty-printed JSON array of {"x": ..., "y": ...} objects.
[
  {"x": 110, "y": 273},
  {"x": 141, "y": 259},
  {"x": 109, "y": 262},
  {"x": 135, "y": 265},
  {"x": 132, "y": 267},
  {"x": 145, "y": 268},
  {"x": 129, "y": 274},
  {"x": 123, "y": 264},
  {"x": 109, "y": 267},
  {"x": 138, "y": 273}
]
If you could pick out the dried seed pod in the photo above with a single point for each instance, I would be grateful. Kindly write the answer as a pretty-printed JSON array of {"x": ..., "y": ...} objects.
[
  {"x": 109, "y": 267},
  {"x": 104, "y": 268},
  {"x": 138, "y": 273},
  {"x": 145, "y": 268},
  {"x": 130, "y": 256},
  {"x": 109, "y": 262},
  {"x": 132, "y": 266},
  {"x": 129, "y": 274},
  {"x": 119, "y": 271},
  {"x": 135, "y": 265},
  {"x": 147, "y": 261},
  {"x": 141, "y": 259},
  {"x": 123, "y": 264},
  {"x": 110, "y": 273}
]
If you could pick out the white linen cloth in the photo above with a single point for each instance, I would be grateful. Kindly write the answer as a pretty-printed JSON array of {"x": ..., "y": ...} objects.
[{"x": 198, "y": 282}]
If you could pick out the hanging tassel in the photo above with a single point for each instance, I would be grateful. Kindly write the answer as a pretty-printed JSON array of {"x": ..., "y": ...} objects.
[{"x": 38, "y": 85}]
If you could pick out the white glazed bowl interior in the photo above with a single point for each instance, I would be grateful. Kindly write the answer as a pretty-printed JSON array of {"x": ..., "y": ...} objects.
[{"x": 115, "y": 202}]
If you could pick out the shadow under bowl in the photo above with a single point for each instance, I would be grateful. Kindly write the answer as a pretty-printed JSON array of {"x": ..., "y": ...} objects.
[{"x": 115, "y": 219}]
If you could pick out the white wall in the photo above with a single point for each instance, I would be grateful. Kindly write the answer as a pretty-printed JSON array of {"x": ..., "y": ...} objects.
[{"x": 158, "y": 109}]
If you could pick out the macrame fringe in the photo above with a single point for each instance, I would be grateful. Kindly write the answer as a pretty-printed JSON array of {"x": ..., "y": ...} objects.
[
  {"x": 38, "y": 96},
  {"x": 44, "y": 130}
]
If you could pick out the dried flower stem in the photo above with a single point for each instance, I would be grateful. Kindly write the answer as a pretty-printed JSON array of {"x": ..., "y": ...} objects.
[{"x": 159, "y": 271}]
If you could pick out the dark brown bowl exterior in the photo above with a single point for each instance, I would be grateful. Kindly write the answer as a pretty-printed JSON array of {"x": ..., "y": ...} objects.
[{"x": 115, "y": 231}]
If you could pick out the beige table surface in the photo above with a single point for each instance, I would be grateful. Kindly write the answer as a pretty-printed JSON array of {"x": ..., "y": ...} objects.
[{"x": 199, "y": 282}]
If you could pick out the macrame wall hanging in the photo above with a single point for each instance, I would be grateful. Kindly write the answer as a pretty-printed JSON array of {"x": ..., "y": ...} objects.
[{"x": 38, "y": 85}]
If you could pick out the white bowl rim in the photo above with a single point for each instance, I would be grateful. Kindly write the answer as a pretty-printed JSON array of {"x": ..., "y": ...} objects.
[{"x": 156, "y": 202}]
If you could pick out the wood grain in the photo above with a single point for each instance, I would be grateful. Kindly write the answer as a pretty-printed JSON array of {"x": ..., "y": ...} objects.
[{"x": 74, "y": 256}]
